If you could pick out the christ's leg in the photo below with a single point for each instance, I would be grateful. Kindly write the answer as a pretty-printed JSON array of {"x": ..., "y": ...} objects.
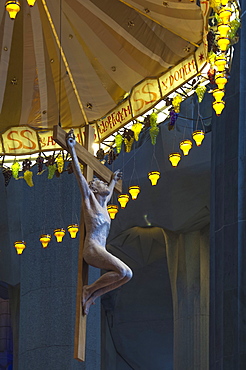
[
  {"x": 119, "y": 273},
  {"x": 87, "y": 302}
]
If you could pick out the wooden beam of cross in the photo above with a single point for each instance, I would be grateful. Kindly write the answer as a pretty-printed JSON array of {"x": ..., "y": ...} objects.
[{"x": 92, "y": 165}]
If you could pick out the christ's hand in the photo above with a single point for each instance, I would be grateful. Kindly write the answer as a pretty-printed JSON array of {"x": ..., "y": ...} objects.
[
  {"x": 70, "y": 138},
  {"x": 117, "y": 175}
]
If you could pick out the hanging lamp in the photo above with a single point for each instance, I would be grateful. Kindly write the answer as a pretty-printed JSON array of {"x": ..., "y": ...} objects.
[
  {"x": 134, "y": 191},
  {"x": 218, "y": 107},
  {"x": 45, "y": 239},
  {"x": 19, "y": 246},
  {"x": 185, "y": 146},
  {"x": 225, "y": 14},
  {"x": 218, "y": 94},
  {"x": 73, "y": 229},
  {"x": 220, "y": 80},
  {"x": 223, "y": 29},
  {"x": 220, "y": 63},
  {"x": 123, "y": 199},
  {"x": 12, "y": 7},
  {"x": 198, "y": 137},
  {"x": 112, "y": 210},
  {"x": 223, "y": 43},
  {"x": 154, "y": 177},
  {"x": 174, "y": 158},
  {"x": 31, "y": 2},
  {"x": 59, "y": 234}
]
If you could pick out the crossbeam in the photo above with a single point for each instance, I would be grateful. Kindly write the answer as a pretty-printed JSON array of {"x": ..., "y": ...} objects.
[{"x": 86, "y": 158}]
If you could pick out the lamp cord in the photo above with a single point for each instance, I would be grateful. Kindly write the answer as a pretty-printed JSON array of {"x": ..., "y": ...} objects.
[
  {"x": 60, "y": 61},
  {"x": 154, "y": 158}
]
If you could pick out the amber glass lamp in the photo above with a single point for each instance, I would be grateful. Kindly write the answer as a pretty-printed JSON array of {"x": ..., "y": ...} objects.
[
  {"x": 223, "y": 29},
  {"x": 223, "y": 43},
  {"x": 218, "y": 94},
  {"x": 174, "y": 158},
  {"x": 185, "y": 146},
  {"x": 19, "y": 246},
  {"x": 31, "y": 2},
  {"x": 154, "y": 177},
  {"x": 134, "y": 191},
  {"x": 225, "y": 14},
  {"x": 218, "y": 107},
  {"x": 198, "y": 137},
  {"x": 220, "y": 63},
  {"x": 112, "y": 210},
  {"x": 45, "y": 239},
  {"x": 12, "y": 7},
  {"x": 220, "y": 80},
  {"x": 123, "y": 199},
  {"x": 59, "y": 234},
  {"x": 73, "y": 229}
]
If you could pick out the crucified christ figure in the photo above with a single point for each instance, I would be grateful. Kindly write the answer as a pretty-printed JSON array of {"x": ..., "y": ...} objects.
[{"x": 95, "y": 197}]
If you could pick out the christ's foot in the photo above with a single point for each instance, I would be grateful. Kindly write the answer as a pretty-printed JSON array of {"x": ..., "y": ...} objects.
[
  {"x": 87, "y": 305},
  {"x": 85, "y": 294}
]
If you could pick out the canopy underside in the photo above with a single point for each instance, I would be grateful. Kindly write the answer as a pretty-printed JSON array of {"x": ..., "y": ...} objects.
[{"x": 74, "y": 60}]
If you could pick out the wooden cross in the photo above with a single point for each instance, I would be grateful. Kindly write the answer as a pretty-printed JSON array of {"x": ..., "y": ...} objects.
[{"x": 92, "y": 164}]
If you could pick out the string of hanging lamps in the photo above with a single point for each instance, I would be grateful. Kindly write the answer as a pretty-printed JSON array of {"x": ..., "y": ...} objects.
[
  {"x": 46, "y": 238},
  {"x": 133, "y": 190},
  {"x": 13, "y": 7},
  {"x": 226, "y": 30},
  {"x": 186, "y": 144}
]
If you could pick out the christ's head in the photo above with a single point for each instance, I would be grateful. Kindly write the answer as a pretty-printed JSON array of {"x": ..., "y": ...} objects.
[{"x": 99, "y": 187}]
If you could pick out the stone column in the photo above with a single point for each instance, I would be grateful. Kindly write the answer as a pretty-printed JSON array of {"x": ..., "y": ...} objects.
[
  {"x": 228, "y": 222},
  {"x": 188, "y": 263}
]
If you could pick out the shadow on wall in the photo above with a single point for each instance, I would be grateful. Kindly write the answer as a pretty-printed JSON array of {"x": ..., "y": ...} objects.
[
  {"x": 159, "y": 320},
  {"x": 138, "y": 317}
]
